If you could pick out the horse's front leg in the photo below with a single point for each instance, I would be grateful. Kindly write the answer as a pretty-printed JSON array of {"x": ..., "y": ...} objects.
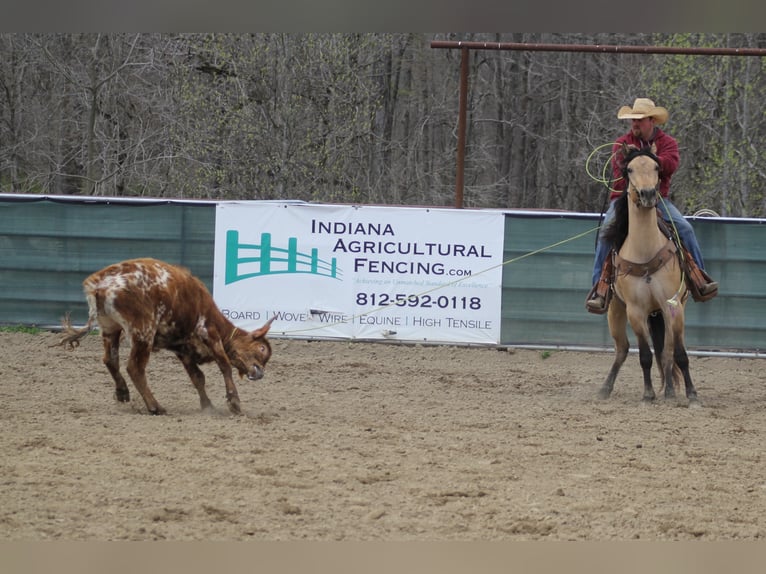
[
  {"x": 621, "y": 353},
  {"x": 617, "y": 328}
]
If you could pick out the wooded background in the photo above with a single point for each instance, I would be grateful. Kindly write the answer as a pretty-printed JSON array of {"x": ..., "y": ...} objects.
[{"x": 370, "y": 118}]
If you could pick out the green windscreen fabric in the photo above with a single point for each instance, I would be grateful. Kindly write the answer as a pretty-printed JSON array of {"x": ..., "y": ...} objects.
[
  {"x": 546, "y": 277},
  {"x": 544, "y": 292},
  {"x": 47, "y": 248}
]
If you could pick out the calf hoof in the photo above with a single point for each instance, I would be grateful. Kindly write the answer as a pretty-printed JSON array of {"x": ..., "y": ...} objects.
[
  {"x": 158, "y": 411},
  {"x": 234, "y": 406},
  {"x": 122, "y": 395}
]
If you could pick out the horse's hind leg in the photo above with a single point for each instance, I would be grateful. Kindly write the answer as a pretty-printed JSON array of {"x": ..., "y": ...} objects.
[
  {"x": 682, "y": 360},
  {"x": 645, "y": 358}
]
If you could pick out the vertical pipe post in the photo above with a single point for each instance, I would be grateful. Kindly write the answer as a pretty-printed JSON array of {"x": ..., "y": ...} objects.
[{"x": 462, "y": 105}]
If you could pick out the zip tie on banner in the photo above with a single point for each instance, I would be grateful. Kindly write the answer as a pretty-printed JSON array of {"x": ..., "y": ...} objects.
[{"x": 456, "y": 281}]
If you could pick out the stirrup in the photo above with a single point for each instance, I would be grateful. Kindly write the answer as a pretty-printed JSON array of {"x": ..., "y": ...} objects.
[
  {"x": 596, "y": 305},
  {"x": 699, "y": 283},
  {"x": 593, "y": 294},
  {"x": 603, "y": 287}
]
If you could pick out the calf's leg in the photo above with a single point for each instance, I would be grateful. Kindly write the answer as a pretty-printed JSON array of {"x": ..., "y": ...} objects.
[
  {"x": 232, "y": 397},
  {"x": 198, "y": 379},
  {"x": 139, "y": 357},
  {"x": 112, "y": 361},
  {"x": 222, "y": 360}
]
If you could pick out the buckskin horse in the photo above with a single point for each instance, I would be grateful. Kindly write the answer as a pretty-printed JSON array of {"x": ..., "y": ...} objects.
[{"x": 649, "y": 287}]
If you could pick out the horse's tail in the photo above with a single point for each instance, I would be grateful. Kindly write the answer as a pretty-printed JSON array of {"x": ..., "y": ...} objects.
[
  {"x": 678, "y": 379},
  {"x": 657, "y": 332}
]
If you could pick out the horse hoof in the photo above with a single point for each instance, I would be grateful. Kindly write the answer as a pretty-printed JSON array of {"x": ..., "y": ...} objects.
[
  {"x": 695, "y": 404},
  {"x": 603, "y": 394}
]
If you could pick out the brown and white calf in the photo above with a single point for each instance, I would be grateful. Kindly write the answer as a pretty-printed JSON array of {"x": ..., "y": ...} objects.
[{"x": 162, "y": 306}]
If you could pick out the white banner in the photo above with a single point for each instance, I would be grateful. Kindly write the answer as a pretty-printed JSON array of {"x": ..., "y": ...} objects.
[{"x": 328, "y": 271}]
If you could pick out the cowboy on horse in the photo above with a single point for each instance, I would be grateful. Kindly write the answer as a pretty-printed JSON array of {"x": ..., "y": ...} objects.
[{"x": 644, "y": 133}]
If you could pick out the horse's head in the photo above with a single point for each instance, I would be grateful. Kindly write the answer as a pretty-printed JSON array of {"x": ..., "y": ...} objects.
[{"x": 641, "y": 169}]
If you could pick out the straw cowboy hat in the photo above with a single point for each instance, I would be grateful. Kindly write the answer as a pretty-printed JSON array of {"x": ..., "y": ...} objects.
[{"x": 643, "y": 108}]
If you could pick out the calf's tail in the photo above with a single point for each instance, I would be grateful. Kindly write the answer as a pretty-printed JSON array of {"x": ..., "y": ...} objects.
[{"x": 73, "y": 336}]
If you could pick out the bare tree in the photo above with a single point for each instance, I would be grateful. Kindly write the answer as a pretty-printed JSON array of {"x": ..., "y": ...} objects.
[{"x": 367, "y": 118}]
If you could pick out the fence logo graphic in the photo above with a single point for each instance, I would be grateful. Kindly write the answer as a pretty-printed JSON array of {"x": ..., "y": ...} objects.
[{"x": 270, "y": 260}]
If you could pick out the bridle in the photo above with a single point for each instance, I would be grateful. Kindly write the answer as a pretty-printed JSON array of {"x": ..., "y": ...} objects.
[{"x": 626, "y": 175}]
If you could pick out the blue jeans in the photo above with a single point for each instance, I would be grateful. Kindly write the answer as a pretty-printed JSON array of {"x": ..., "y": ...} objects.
[{"x": 669, "y": 211}]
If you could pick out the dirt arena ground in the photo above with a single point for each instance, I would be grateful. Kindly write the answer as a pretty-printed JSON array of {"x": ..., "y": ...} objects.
[{"x": 379, "y": 442}]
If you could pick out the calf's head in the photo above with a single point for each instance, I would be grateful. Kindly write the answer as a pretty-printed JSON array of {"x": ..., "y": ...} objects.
[{"x": 250, "y": 351}]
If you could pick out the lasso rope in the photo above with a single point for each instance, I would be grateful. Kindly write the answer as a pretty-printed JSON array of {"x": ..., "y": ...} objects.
[
  {"x": 472, "y": 276},
  {"x": 604, "y": 179}
]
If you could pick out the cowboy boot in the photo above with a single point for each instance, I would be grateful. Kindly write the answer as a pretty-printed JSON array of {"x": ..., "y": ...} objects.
[
  {"x": 700, "y": 284},
  {"x": 599, "y": 296}
]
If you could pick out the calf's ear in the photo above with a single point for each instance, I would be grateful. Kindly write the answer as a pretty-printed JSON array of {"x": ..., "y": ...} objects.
[{"x": 258, "y": 333}]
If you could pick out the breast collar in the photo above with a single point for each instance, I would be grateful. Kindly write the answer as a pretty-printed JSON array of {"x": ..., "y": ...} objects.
[{"x": 624, "y": 266}]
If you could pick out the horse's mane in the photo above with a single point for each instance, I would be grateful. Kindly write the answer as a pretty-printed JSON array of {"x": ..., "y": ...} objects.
[
  {"x": 617, "y": 230},
  {"x": 631, "y": 154}
]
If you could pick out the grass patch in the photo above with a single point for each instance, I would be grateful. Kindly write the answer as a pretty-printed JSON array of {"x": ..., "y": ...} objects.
[{"x": 28, "y": 329}]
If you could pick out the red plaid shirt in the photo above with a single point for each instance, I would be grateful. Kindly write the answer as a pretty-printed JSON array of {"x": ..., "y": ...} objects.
[{"x": 667, "y": 153}]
